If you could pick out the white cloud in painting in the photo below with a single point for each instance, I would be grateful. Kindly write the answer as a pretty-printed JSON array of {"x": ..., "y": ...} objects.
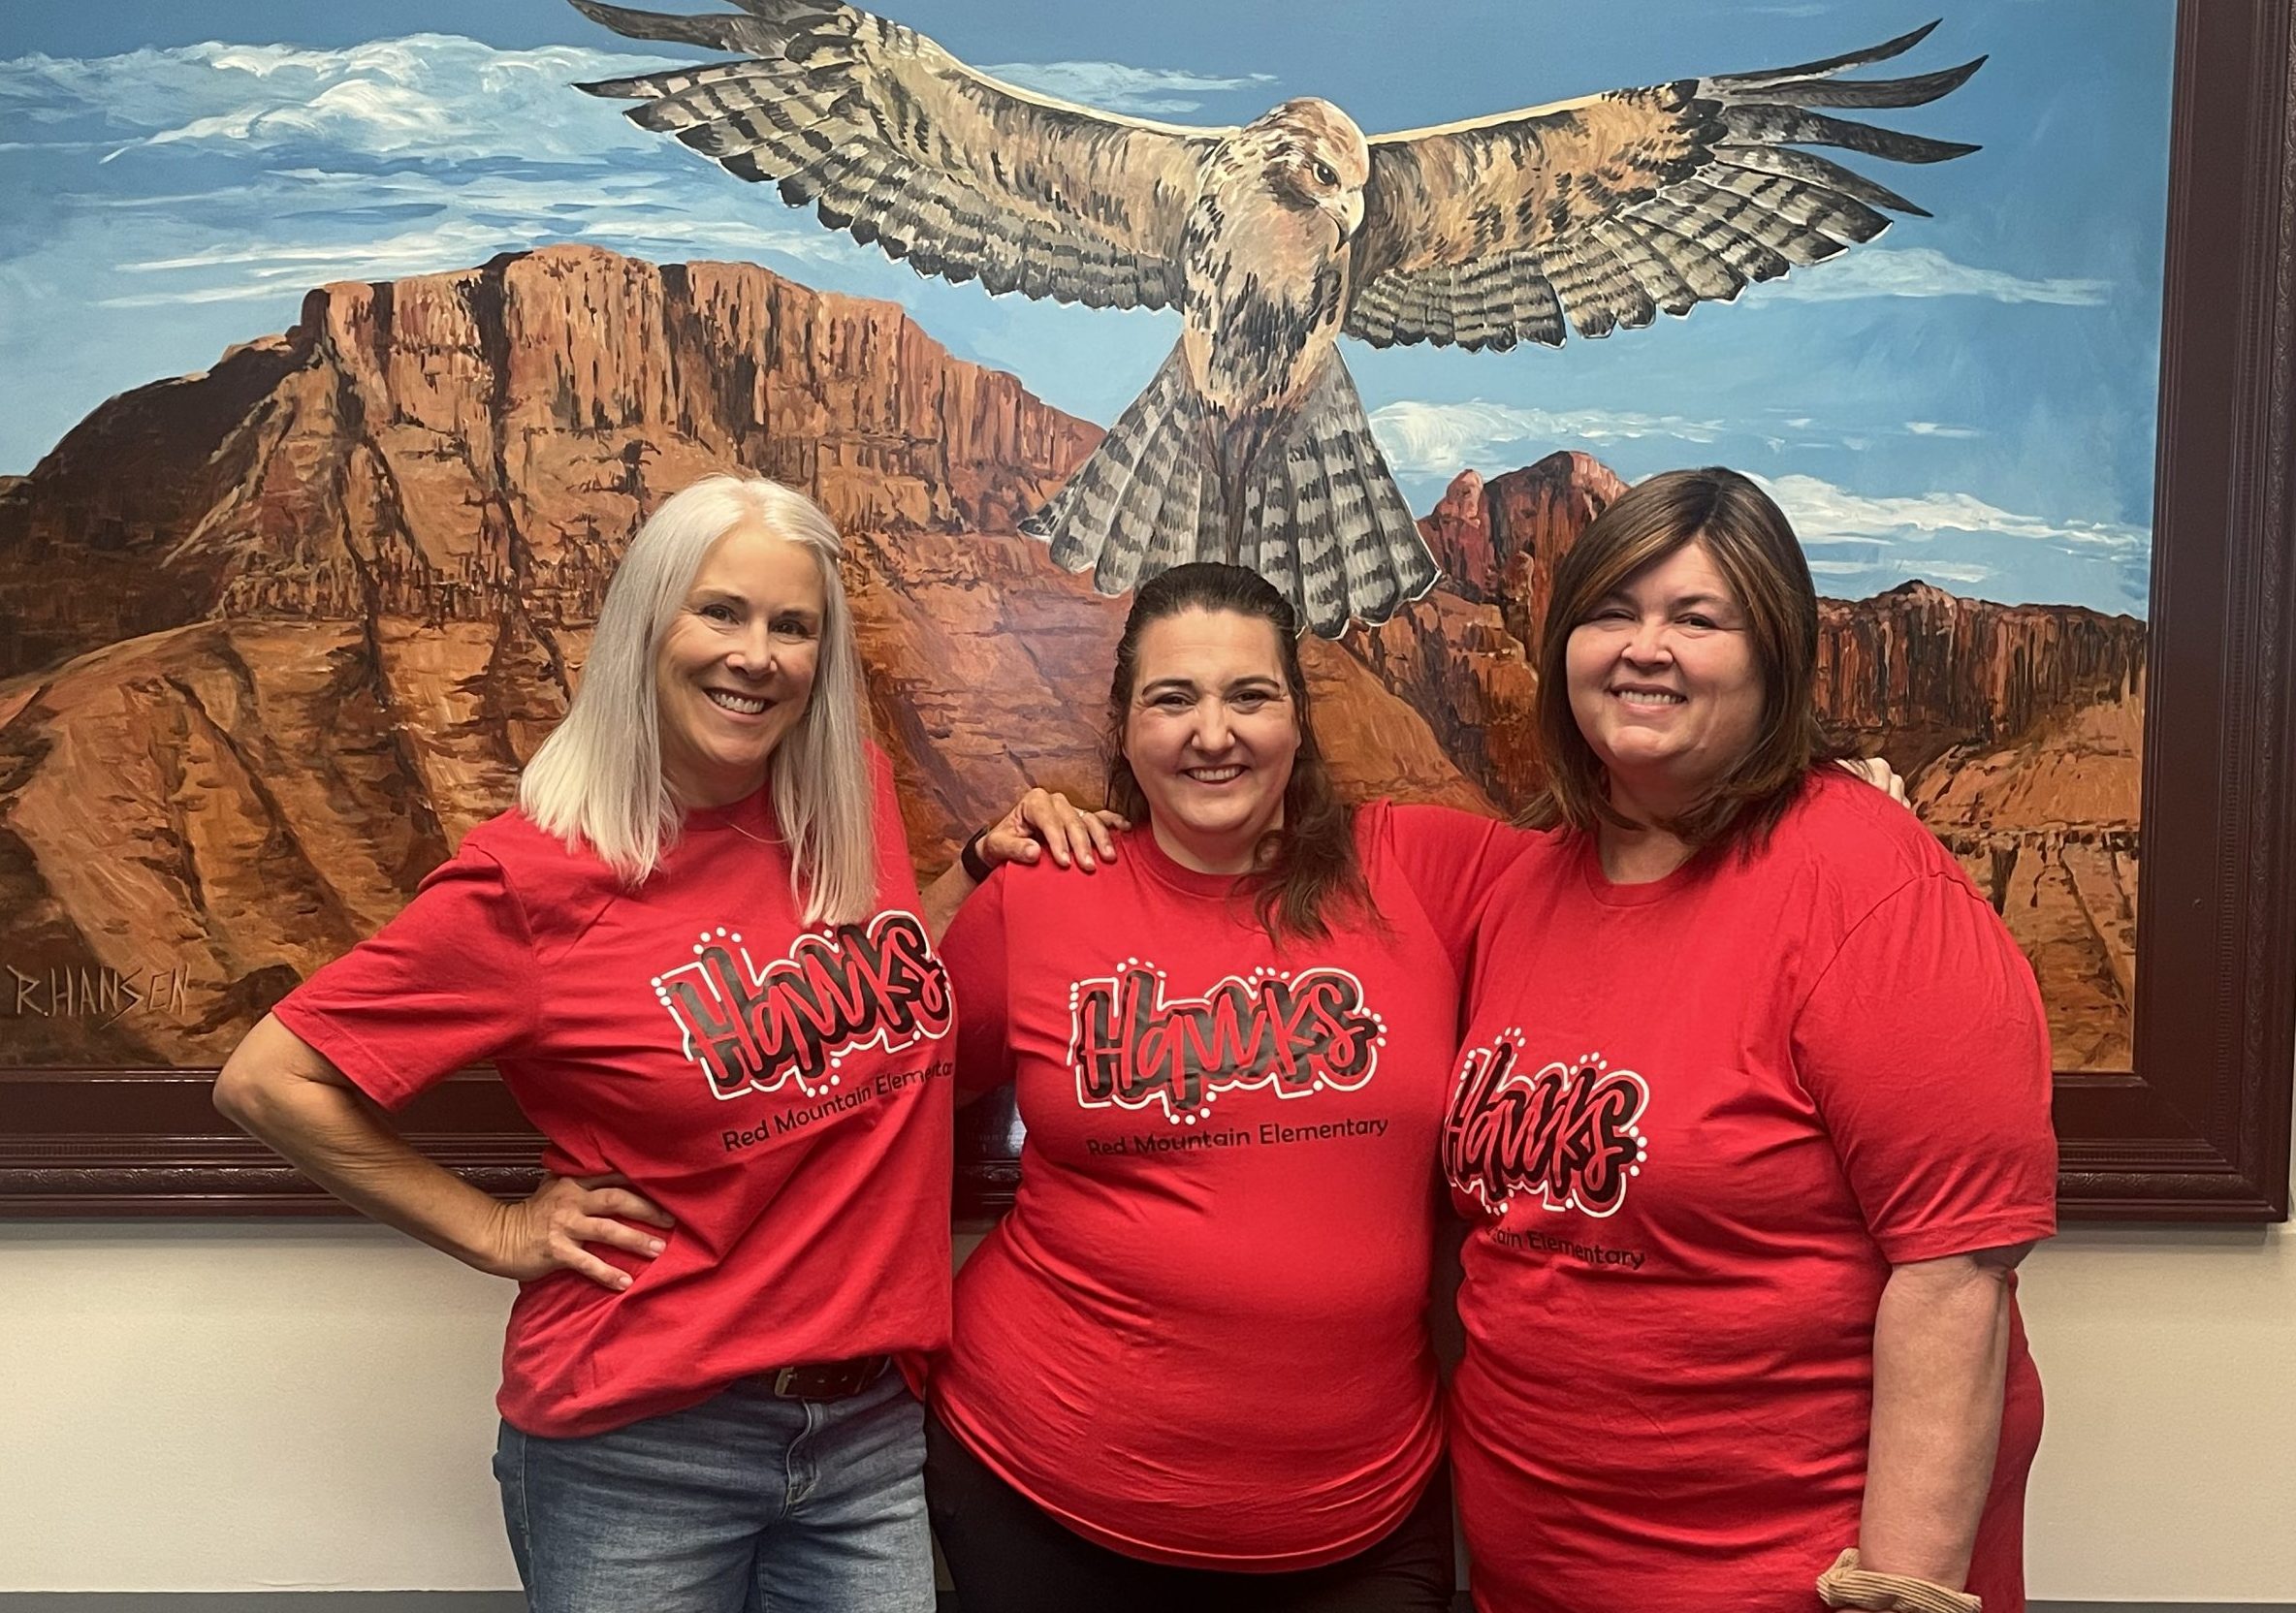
[
  {"x": 1927, "y": 570},
  {"x": 1931, "y": 428},
  {"x": 264, "y": 270},
  {"x": 1436, "y": 439},
  {"x": 192, "y": 297},
  {"x": 1920, "y": 271},
  {"x": 1862, "y": 542},
  {"x": 433, "y": 95},
  {"x": 1822, "y": 513},
  {"x": 1117, "y": 87},
  {"x": 291, "y": 260}
]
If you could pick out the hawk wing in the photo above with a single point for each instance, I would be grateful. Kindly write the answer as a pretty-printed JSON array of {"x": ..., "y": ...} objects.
[
  {"x": 894, "y": 140},
  {"x": 1606, "y": 209}
]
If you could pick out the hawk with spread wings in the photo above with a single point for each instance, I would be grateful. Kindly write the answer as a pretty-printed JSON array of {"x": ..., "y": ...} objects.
[{"x": 1275, "y": 239}]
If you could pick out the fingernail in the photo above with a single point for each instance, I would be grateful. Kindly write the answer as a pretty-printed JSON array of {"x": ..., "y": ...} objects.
[
  {"x": 622, "y": 1280},
  {"x": 653, "y": 1245}
]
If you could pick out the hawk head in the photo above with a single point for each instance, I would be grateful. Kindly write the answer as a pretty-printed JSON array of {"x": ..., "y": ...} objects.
[{"x": 1312, "y": 158}]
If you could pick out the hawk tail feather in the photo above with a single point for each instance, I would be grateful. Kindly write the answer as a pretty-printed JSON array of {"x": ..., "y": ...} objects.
[
  {"x": 1106, "y": 518},
  {"x": 1321, "y": 517},
  {"x": 1328, "y": 516}
]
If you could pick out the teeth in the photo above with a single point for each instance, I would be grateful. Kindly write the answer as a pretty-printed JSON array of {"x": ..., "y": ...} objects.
[
  {"x": 1213, "y": 776},
  {"x": 1649, "y": 697},
  {"x": 735, "y": 702}
]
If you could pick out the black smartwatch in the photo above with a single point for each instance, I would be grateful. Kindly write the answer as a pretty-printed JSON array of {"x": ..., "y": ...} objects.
[{"x": 976, "y": 867}]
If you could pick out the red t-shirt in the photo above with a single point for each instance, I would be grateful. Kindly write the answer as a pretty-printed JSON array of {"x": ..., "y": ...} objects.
[
  {"x": 782, "y": 1093},
  {"x": 1200, "y": 1336},
  {"x": 1699, "y": 1119}
]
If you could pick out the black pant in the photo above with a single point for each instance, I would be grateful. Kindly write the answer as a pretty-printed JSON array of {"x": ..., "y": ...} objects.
[{"x": 1007, "y": 1556}]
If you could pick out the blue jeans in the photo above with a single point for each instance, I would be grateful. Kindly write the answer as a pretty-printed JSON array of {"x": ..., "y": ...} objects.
[{"x": 745, "y": 1504}]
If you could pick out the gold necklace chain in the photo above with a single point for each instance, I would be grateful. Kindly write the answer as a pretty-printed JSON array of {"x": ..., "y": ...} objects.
[{"x": 747, "y": 836}]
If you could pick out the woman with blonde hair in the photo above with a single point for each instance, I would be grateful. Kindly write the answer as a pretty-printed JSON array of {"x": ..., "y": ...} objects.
[{"x": 696, "y": 954}]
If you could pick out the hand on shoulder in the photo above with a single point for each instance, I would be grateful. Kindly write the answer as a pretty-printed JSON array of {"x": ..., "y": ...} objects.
[{"x": 1041, "y": 822}]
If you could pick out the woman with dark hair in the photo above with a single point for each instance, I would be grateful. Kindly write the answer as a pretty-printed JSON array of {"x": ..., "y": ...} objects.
[
  {"x": 1753, "y": 1117},
  {"x": 1190, "y": 1368}
]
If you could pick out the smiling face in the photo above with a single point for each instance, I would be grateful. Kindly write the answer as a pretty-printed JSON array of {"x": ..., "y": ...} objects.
[
  {"x": 1210, "y": 734},
  {"x": 736, "y": 663},
  {"x": 1664, "y": 682}
]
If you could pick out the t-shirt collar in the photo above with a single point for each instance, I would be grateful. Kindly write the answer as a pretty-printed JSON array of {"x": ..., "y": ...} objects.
[
  {"x": 1158, "y": 863},
  {"x": 1611, "y": 894}
]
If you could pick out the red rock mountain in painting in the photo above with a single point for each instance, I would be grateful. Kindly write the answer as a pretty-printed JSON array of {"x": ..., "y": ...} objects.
[{"x": 273, "y": 637}]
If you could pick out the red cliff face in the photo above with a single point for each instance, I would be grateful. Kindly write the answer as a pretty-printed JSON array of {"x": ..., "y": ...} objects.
[
  {"x": 1919, "y": 670},
  {"x": 457, "y": 446},
  {"x": 2020, "y": 731},
  {"x": 1458, "y": 534},
  {"x": 1465, "y": 656},
  {"x": 1535, "y": 516},
  {"x": 275, "y": 637}
]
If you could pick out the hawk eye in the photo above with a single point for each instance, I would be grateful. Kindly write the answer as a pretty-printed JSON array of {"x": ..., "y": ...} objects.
[{"x": 1326, "y": 174}]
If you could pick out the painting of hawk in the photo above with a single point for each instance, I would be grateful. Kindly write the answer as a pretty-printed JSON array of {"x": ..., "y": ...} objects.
[{"x": 1273, "y": 240}]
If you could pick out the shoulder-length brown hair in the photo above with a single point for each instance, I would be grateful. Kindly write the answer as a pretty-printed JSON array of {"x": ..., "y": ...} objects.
[
  {"x": 1753, "y": 546},
  {"x": 1308, "y": 866}
]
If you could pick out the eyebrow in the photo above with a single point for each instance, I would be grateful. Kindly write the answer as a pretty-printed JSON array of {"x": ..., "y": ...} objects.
[
  {"x": 1188, "y": 684},
  {"x": 1619, "y": 597}
]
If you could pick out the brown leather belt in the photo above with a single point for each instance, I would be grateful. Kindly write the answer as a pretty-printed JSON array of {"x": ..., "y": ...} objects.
[{"x": 830, "y": 1380}]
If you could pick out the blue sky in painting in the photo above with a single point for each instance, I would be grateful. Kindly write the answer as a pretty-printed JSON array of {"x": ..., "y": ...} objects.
[{"x": 1967, "y": 399}]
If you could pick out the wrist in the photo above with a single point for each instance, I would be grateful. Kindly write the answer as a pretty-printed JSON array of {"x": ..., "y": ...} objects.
[
  {"x": 485, "y": 1247},
  {"x": 1848, "y": 1583},
  {"x": 978, "y": 868}
]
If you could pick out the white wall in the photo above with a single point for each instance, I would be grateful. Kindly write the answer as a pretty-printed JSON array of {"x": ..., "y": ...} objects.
[
  {"x": 2168, "y": 1465},
  {"x": 308, "y": 1406},
  {"x": 244, "y": 1406}
]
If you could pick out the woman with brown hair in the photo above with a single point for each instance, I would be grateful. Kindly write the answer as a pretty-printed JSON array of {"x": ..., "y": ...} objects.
[
  {"x": 1190, "y": 1368},
  {"x": 1753, "y": 1117}
]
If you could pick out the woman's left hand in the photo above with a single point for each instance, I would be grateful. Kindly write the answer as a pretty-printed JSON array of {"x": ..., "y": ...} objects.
[{"x": 1045, "y": 820}]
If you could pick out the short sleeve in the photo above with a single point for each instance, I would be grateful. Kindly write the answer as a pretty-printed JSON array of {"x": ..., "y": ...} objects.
[
  {"x": 1924, "y": 1048},
  {"x": 448, "y": 983},
  {"x": 974, "y": 951},
  {"x": 1450, "y": 859}
]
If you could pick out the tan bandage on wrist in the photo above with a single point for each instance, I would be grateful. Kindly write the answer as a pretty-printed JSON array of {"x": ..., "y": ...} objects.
[{"x": 1847, "y": 1585}]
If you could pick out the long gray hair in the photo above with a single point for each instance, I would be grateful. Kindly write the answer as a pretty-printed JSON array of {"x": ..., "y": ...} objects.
[{"x": 597, "y": 779}]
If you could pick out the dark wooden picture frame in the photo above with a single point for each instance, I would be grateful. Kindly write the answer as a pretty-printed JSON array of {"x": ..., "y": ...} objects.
[{"x": 2197, "y": 1130}]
